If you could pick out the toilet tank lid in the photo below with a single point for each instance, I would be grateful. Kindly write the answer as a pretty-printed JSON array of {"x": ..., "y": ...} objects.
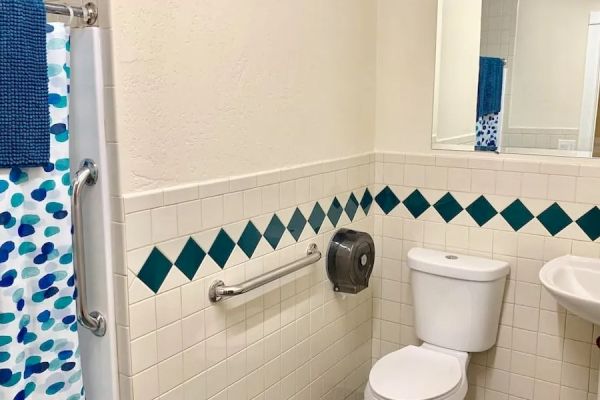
[{"x": 458, "y": 266}]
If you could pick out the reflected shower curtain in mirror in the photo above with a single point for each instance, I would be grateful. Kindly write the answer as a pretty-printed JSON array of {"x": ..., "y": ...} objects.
[
  {"x": 39, "y": 349},
  {"x": 489, "y": 103}
]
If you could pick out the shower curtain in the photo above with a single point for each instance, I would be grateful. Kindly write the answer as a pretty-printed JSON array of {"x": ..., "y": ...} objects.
[
  {"x": 39, "y": 355},
  {"x": 487, "y": 132}
]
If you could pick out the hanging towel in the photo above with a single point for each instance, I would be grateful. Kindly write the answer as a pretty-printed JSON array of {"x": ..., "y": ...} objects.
[
  {"x": 24, "y": 115},
  {"x": 39, "y": 343},
  {"x": 489, "y": 96}
]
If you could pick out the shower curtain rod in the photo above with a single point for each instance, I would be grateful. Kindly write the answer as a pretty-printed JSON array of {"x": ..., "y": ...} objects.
[{"x": 89, "y": 12}]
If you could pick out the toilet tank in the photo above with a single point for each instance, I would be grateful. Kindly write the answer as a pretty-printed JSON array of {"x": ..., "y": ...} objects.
[{"x": 457, "y": 298}]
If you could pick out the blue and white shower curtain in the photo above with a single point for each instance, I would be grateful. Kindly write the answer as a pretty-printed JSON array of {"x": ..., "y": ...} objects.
[
  {"x": 487, "y": 131},
  {"x": 39, "y": 351}
]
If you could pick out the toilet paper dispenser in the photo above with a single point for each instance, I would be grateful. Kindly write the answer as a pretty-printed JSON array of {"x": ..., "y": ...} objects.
[{"x": 350, "y": 260}]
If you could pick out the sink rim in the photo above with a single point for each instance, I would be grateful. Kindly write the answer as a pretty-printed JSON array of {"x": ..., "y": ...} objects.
[{"x": 568, "y": 262}]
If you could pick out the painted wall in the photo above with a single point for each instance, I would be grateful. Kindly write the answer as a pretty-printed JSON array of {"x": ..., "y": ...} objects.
[
  {"x": 457, "y": 68},
  {"x": 405, "y": 74},
  {"x": 205, "y": 89}
]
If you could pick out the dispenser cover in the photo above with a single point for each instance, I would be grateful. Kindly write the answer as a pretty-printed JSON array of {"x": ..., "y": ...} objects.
[{"x": 350, "y": 260}]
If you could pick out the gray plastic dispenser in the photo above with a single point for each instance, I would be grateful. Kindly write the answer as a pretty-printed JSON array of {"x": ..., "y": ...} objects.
[{"x": 350, "y": 260}]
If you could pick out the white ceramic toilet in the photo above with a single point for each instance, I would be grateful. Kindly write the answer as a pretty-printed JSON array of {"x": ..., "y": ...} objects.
[{"x": 457, "y": 301}]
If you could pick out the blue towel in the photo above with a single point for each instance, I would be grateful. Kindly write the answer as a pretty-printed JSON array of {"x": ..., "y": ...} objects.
[
  {"x": 24, "y": 112},
  {"x": 489, "y": 95}
]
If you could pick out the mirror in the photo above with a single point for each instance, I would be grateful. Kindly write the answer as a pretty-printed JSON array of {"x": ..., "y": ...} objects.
[{"x": 518, "y": 76}]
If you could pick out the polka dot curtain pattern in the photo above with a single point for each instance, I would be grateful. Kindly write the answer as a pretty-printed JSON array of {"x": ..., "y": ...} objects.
[{"x": 39, "y": 349}]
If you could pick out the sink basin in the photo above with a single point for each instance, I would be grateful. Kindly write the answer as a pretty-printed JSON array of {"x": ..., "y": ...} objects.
[{"x": 575, "y": 284}]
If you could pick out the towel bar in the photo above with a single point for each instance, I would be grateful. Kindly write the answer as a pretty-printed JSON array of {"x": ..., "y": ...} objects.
[
  {"x": 218, "y": 290},
  {"x": 86, "y": 176}
]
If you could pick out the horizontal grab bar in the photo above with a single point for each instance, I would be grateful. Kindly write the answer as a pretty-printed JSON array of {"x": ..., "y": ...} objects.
[
  {"x": 218, "y": 290},
  {"x": 87, "y": 175}
]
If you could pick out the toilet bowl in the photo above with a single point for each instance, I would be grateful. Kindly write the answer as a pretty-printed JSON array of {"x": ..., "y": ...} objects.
[
  {"x": 419, "y": 373},
  {"x": 457, "y": 301}
]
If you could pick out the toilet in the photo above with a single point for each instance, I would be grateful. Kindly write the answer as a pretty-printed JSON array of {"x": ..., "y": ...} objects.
[{"x": 457, "y": 301}]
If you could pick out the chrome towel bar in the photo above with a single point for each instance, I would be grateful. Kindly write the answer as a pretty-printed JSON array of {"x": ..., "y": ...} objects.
[
  {"x": 218, "y": 290},
  {"x": 86, "y": 176}
]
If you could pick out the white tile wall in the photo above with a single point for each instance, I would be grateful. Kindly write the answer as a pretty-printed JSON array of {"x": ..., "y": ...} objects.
[
  {"x": 543, "y": 351},
  {"x": 298, "y": 340},
  {"x": 294, "y": 340}
]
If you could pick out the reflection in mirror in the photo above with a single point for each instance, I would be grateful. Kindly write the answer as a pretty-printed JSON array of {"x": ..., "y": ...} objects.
[{"x": 518, "y": 76}]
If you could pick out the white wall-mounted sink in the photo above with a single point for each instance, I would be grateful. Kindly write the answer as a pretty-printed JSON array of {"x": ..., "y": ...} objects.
[{"x": 575, "y": 284}]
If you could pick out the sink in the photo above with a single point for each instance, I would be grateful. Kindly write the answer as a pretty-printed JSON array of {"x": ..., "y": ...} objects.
[{"x": 575, "y": 284}]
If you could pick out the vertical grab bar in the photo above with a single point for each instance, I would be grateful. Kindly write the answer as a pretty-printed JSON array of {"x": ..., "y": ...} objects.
[{"x": 87, "y": 175}]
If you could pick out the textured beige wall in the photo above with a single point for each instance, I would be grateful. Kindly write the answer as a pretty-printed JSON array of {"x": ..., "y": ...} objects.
[
  {"x": 207, "y": 89},
  {"x": 406, "y": 32},
  {"x": 457, "y": 68}
]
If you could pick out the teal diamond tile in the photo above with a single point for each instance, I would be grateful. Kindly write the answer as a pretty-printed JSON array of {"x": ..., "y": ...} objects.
[
  {"x": 335, "y": 211},
  {"x": 366, "y": 201},
  {"x": 296, "y": 224},
  {"x": 221, "y": 248},
  {"x": 481, "y": 210},
  {"x": 416, "y": 204},
  {"x": 249, "y": 239},
  {"x": 155, "y": 270},
  {"x": 316, "y": 218},
  {"x": 274, "y": 231},
  {"x": 517, "y": 215},
  {"x": 448, "y": 207},
  {"x": 351, "y": 206},
  {"x": 554, "y": 219},
  {"x": 190, "y": 258},
  {"x": 387, "y": 200},
  {"x": 590, "y": 223}
]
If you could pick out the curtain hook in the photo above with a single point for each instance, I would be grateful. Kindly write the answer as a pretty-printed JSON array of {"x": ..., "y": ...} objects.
[{"x": 71, "y": 14}]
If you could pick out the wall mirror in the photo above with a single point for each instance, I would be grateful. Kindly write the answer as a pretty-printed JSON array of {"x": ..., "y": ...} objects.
[{"x": 518, "y": 76}]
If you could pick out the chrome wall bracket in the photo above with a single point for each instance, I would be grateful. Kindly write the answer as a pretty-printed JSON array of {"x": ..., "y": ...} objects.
[{"x": 90, "y": 13}]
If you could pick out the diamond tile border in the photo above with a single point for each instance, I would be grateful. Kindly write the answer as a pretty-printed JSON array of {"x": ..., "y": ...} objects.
[
  {"x": 249, "y": 239},
  {"x": 517, "y": 215},
  {"x": 554, "y": 218},
  {"x": 449, "y": 206},
  {"x": 481, "y": 210},
  {"x": 222, "y": 247},
  {"x": 590, "y": 223}
]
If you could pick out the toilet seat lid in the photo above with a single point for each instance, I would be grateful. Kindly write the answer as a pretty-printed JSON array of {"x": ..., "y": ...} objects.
[{"x": 415, "y": 373}]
